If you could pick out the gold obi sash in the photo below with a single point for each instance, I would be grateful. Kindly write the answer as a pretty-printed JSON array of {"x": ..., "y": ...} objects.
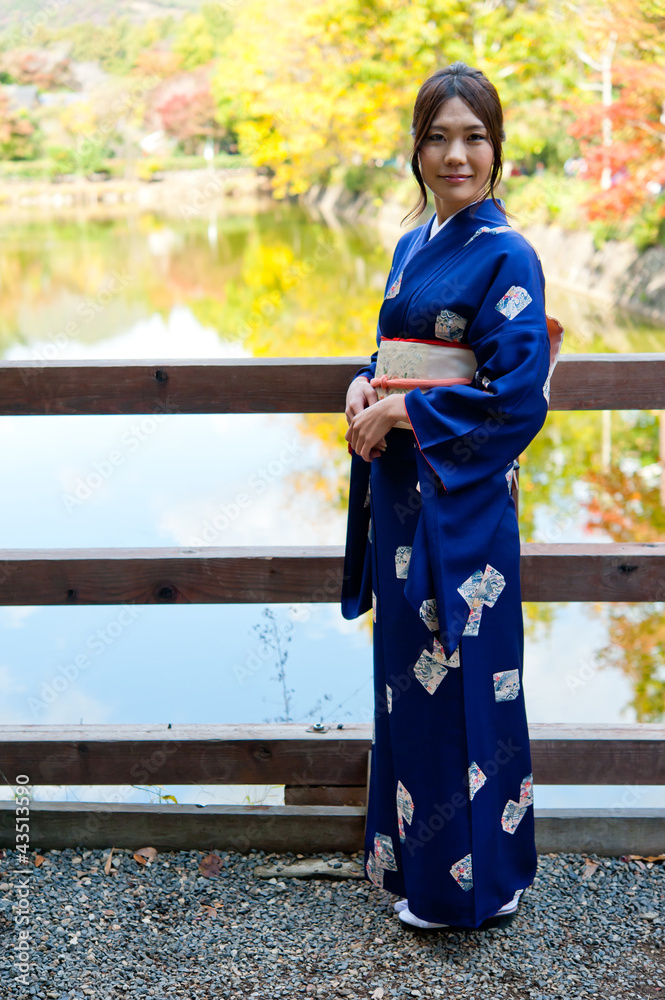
[{"x": 402, "y": 365}]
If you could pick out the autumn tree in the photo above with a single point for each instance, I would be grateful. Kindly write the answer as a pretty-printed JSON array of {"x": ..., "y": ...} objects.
[
  {"x": 185, "y": 109},
  {"x": 323, "y": 87},
  {"x": 19, "y": 138},
  {"x": 46, "y": 69},
  {"x": 200, "y": 36},
  {"x": 621, "y": 132}
]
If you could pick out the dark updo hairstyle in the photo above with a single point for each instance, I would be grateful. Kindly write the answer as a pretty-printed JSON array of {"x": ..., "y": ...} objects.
[{"x": 457, "y": 80}]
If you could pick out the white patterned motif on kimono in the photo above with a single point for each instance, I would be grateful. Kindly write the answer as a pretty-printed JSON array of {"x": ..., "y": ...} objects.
[
  {"x": 384, "y": 855},
  {"x": 452, "y": 663},
  {"x": 487, "y": 229},
  {"x": 374, "y": 871},
  {"x": 513, "y": 302},
  {"x": 476, "y": 779},
  {"x": 482, "y": 588},
  {"x": 432, "y": 667},
  {"x": 514, "y": 812},
  {"x": 389, "y": 697},
  {"x": 404, "y": 809},
  {"x": 394, "y": 288},
  {"x": 402, "y": 560},
  {"x": 429, "y": 614},
  {"x": 506, "y": 685},
  {"x": 462, "y": 872},
  {"x": 449, "y": 325}
]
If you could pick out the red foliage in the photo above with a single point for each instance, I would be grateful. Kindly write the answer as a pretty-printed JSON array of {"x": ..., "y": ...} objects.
[
  {"x": 636, "y": 155},
  {"x": 45, "y": 68},
  {"x": 188, "y": 115}
]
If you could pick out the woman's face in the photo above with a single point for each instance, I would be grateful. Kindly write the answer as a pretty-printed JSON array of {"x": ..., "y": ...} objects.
[{"x": 455, "y": 157}]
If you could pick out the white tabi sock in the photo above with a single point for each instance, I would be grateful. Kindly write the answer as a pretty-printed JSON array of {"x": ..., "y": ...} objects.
[{"x": 407, "y": 917}]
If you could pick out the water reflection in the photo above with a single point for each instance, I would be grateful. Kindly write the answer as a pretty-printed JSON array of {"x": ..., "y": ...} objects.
[{"x": 282, "y": 284}]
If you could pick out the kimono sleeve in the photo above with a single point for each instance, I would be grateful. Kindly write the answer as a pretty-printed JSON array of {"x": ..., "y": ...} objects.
[
  {"x": 357, "y": 573},
  {"x": 468, "y": 433}
]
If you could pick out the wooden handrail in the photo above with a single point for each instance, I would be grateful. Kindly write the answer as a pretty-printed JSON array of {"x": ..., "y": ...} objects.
[
  {"x": 308, "y": 574},
  {"x": 288, "y": 753},
  {"x": 282, "y": 385}
]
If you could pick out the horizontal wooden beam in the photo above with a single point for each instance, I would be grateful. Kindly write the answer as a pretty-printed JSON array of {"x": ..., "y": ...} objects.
[
  {"x": 608, "y": 382},
  {"x": 289, "y": 754},
  {"x": 325, "y": 795},
  {"x": 302, "y": 829},
  {"x": 607, "y": 832},
  {"x": 605, "y": 571},
  {"x": 209, "y": 575},
  {"x": 283, "y": 385},
  {"x": 287, "y": 574},
  {"x": 237, "y": 385}
]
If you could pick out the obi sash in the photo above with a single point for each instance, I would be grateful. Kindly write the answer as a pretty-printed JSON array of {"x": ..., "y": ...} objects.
[{"x": 402, "y": 365}]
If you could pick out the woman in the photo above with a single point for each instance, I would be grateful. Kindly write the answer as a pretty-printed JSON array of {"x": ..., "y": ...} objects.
[{"x": 457, "y": 389}]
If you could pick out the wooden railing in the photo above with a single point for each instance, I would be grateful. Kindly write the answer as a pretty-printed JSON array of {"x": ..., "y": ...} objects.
[{"x": 324, "y": 772}]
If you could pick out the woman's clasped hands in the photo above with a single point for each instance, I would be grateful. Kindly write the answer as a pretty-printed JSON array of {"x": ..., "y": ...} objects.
[{"x": 370, "y": 418}]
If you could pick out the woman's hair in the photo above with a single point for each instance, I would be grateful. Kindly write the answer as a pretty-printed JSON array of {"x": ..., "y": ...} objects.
[{"x": 457, "y": 80}]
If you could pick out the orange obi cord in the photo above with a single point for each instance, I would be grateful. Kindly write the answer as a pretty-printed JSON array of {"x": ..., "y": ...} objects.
[{"x": 415, "y": 383}]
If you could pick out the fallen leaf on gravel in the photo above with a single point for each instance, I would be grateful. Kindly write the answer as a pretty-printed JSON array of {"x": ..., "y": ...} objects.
[
  {"x": 108, "y": 913},
  {"x": 145, "y": 854},
  {"x": 107, "y": 866},
  {"x": 210, "y": 866},
  {"x": 378, "y": 993},
  {"x": 211, "y": 911},
  {"x": 39, "y": 860},
  {"x": 589, "y": 868},
  {"x": 641, "y": 857}
]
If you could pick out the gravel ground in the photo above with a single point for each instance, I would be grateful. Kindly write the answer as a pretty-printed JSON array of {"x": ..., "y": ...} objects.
[{"x": 162, "y": 930}]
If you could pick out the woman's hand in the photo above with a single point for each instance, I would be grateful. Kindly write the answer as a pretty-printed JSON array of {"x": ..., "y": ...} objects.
[
  {"x": 367, "y": 429},
  {"x": 359, "y": 395}
]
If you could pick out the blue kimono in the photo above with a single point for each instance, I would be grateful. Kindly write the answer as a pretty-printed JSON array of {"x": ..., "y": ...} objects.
[{"x": 433, "y": 546}]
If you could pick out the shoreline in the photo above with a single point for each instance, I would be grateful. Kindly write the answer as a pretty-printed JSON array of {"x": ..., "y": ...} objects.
[
  {"x": 616, "y": 276},
  {"x": 177, "y": 192}
]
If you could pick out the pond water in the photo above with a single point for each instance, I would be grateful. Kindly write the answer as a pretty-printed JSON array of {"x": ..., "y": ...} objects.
[{"x": 278, "y": 283}]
